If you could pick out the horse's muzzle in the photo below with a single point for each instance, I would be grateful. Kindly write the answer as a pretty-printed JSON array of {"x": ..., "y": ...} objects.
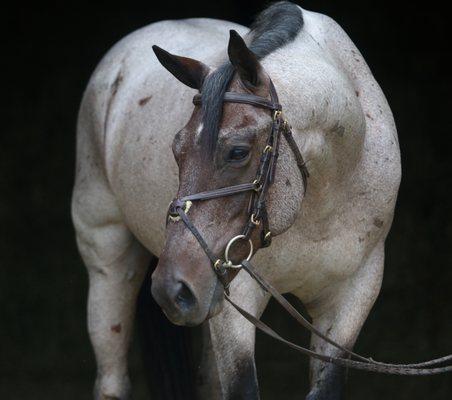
[{"x": 182, "y": 304}]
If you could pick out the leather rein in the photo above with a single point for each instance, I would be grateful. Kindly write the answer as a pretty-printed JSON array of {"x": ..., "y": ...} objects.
[{"x": 257, "y": 216}]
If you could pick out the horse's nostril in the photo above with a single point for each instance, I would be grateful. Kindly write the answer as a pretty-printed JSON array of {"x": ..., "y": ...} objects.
[{"x": 184, "y": 296}]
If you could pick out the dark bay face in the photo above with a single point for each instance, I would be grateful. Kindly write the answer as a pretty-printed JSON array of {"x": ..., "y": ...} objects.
[{"x": 184, "y": 283}]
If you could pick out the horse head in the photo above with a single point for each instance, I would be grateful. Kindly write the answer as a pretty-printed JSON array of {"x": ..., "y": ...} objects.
[{"x": 222, "y": 145}]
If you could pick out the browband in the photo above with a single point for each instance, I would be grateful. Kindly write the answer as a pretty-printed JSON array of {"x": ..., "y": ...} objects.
[{"x": 243, "y": 98}]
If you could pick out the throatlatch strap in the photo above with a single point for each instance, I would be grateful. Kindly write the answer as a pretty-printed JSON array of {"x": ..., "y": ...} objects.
[{"x": 287, "y": 132}]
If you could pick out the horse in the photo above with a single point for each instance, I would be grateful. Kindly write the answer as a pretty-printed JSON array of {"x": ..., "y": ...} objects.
[{"x": 136, "y": 151}]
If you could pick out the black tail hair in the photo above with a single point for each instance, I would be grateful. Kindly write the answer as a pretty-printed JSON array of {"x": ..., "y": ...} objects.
[{"x": 166, "y": 349}]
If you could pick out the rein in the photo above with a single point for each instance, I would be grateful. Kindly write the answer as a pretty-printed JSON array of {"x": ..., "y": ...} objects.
[{"x": 257, "y": 216}]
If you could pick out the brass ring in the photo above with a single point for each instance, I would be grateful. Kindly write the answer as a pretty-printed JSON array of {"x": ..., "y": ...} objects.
[
  {"x": 176, "y": 218},
  {"x": 228, "y": 247}
]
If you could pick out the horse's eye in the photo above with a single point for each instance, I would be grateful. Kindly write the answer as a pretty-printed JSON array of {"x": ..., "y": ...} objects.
[{"x": 238, "y": 153}]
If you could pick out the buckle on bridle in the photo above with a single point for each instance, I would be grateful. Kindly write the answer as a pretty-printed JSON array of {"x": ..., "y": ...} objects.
[
  {"x": 257, "y": 185},
  {"x": 266, "y": 238},
  {"x": 173, "y": 216},
  {"x": 254, "y": 220},
  {"x": 218, "y": 264}
]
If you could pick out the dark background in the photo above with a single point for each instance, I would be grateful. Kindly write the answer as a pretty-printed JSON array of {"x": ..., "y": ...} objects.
[{"x": 50, "y": 51}]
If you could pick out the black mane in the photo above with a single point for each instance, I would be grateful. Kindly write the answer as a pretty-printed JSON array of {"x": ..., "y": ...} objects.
[{"x": 274, "y": 27}]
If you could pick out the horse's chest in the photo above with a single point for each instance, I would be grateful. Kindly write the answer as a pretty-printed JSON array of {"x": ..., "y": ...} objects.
[{"x": 310, "y": 257}]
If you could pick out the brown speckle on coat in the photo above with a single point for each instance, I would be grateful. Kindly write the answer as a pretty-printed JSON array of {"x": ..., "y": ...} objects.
[
  {"x": 378, "y": 222},
  {"x": 144, "y": 100}
]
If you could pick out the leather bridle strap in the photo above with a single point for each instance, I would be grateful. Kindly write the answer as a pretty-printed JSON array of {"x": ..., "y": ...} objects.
[
  {"x": 246, "y": 265},
  {"x": 298, "y": 157},
  {"x": 243, "y": 98},
  {"x": 365, "y": 363},
  {"x": 219, "y": 269},
  {"x": 343, "y": 362},
  {"x": 222, "y": 192}
]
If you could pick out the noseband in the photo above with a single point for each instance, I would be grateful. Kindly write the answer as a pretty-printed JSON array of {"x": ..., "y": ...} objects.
[
  {"x": 257, "y": 209},
  {"x": 257, "y": 216}
]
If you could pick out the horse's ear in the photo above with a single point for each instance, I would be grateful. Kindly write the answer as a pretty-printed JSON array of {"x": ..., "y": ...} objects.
[
  {"x": 190, "y": 72},
  {"x": 244, "y": 60}
]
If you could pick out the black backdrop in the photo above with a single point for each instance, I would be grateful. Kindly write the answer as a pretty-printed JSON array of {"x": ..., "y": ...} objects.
[{"x": 50, "y": 51}]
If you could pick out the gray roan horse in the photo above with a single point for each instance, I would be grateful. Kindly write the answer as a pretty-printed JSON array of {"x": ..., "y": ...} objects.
[{"x": 328, "y": 235}]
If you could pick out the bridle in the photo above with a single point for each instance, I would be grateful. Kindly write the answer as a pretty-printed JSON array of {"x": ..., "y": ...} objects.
[
  {"x": 257, "y": 210},
  {"x": 257, "y": 216}
]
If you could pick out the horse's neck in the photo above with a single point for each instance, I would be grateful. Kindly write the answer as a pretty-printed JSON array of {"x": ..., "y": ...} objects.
[{"x": 321, "y": 102}]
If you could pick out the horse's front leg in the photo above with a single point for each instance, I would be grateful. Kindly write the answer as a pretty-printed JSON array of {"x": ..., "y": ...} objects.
[
  {"x": 116, "y": 264},
  {"x": 341, "y": 317},
  {"x": 229, "y": 371}
]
